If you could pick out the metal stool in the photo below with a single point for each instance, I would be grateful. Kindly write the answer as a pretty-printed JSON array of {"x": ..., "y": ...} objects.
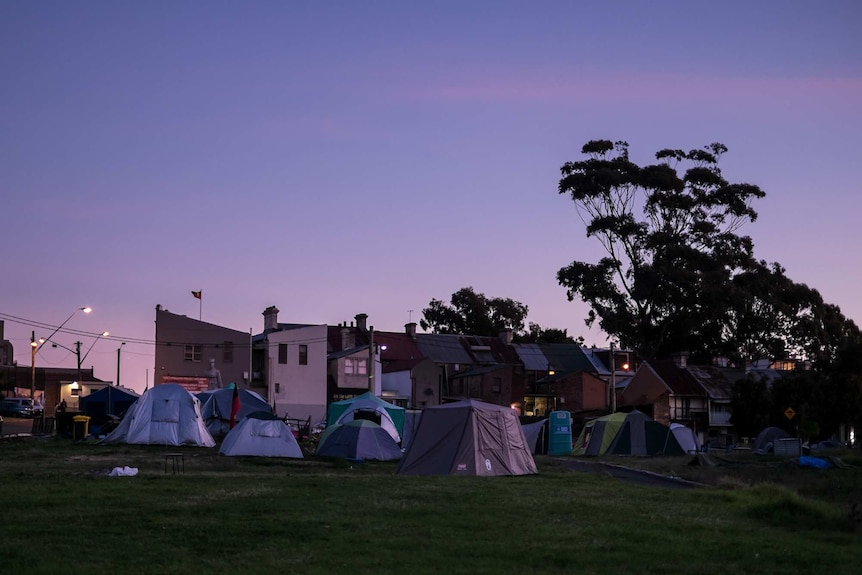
[{"x": 178, "y": 463}]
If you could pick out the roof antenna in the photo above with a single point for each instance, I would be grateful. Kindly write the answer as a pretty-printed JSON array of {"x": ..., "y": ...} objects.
[{"x": 409, "y": 316}]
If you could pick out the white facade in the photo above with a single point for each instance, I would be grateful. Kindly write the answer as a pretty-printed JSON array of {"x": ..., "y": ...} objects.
[{"x": 296, "y": 371}]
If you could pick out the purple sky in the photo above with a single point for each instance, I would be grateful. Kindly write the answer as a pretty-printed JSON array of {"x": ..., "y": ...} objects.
[{"x": 332, "y": 158}]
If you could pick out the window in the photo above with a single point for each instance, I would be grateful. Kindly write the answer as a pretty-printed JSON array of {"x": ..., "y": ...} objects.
[
  {"x": 76, "y": 391},
  {"x": 303, "y": 355},
  {"x": 496, "y": 385},
  {"x": 355, "y": 366},
  {"x": 278, "y": 388},
  {"x": 282, "y": 353},
  {"x": 192, "y": 353},
  {"x": 227, "y": 352}
]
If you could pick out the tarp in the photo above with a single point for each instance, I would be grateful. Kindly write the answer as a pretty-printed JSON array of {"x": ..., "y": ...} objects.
[
  {"x": 215, "y": 409},
  {"x": 391, "y": 417},
  {"x": 261, "y": 434},
  {"x": 358, "y": 439},
  {"x": 109, "y": 400},
  {"x": 533, "y": 432},
  {"x": 468, "y": 438},
  {"x": 598, "y": 434},
  {"x": 685, "y": 437},
  {"x": 641, "y": 435},
  {"x": 166, "y": 414}
]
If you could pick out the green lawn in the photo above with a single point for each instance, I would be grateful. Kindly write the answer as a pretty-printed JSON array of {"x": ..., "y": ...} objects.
[{"x": 62, "y": 514}]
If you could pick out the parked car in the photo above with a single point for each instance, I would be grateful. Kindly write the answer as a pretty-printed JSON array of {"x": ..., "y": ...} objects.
[{"x": 19, "y": 407}]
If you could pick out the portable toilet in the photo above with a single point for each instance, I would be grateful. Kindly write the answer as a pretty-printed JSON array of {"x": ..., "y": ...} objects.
[{"x": 560, "y": 433}]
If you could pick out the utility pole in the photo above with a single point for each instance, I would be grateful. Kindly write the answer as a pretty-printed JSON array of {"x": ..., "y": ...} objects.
[
  {"x": 613, "y": 382},
  {"x": 371, "y": 359},
  {"x": 119, "y": 349},
  {"x": 34, "y": 347},
  {"x": 78, "y": 355}
]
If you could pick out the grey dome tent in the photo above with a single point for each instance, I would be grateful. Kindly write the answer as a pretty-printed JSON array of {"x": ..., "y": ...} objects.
[
  {"x": 358, "y": 439},
  {"x": 765, "y": 440},
  {"x": 468, "y": 438},
  {"x": 641, "y": 435},
  {"x": 261, "y": 434},
  {"x": 368, "y": 406}
]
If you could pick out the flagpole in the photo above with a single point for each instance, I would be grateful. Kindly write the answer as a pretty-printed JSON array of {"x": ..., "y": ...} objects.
[{"x": 201, "y": 307}]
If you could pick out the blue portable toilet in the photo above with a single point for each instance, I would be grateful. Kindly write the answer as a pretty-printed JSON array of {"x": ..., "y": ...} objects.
[{"x": 560, "y": 433}]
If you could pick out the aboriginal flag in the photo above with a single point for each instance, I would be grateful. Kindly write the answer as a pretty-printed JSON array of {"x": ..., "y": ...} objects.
[
  {"x": 197, "y": 294},
  {"x": 234, "y": 406}
]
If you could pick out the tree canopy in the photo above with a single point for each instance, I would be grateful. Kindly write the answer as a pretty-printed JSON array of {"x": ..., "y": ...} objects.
[
  {"x": 476, "y": 314},
  {"x": 677, "y": 275}
]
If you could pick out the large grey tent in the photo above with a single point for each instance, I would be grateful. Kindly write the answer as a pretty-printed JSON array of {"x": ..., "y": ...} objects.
[
  {"x": 261, "y": 434},
  {"x": 358, "y": 439},
  {"x": 215, "y": 408},
  {"x": 468, "y": 438},
  {"x": 166, "y": 414},
  {"x": 641, "y": 435},
  {"x": 766, "y": 439}
]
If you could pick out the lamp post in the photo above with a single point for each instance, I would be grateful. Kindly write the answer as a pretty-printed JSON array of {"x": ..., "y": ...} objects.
[
  {"x": 36, "y": 346},
  {"x": 613, "y": 382}
]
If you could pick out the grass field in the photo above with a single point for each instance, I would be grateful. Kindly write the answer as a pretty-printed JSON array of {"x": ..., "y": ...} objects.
[{"x": 61, "y": 513}]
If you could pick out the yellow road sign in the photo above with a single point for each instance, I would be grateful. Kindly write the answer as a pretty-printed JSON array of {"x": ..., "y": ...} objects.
[{"x": 789, "y": 413}]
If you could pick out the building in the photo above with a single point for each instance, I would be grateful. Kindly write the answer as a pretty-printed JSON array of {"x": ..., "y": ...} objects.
[
  {"x": 187, "y": 350},
  {"x": 289, "y": 363}
]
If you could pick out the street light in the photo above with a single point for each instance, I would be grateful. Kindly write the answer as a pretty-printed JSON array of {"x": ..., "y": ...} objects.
[{"x": 36, "y": 346}]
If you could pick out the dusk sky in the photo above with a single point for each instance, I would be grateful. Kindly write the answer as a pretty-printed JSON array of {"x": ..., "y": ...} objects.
[{"x": 335, "y": 158}]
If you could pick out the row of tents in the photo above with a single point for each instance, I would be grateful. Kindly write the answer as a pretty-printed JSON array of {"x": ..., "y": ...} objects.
[{"x": 467, "y": 437}]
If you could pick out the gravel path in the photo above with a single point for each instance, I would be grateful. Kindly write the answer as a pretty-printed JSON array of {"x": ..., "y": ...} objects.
[{"x": 627, "y": 474}]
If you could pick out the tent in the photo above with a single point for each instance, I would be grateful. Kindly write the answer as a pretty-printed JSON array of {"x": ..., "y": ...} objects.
[
  {"x": 358, "y": 439},
  {"x": 536, "y": 434},
  {"x": 641, "y": 435},
  {"x": 216, "y": 408},
  {"x": 685, "y": 437},
  {"x": 468, "y": 438},
  {"x": 166, "y": 414},
  {"x": 763, "y": 444},
  {"x": 597, "y": 434},
  {"x": 368, "y": 406},
  {"x": 107, "y": 401},
  {"x": 261, "y": 434}
]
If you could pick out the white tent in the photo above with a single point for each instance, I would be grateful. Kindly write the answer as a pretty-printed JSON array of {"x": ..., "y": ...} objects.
[
  {"x": 167, "y": 414},
  {"x": 261, "y": 434},
  {"x": 685, "y": 437}
]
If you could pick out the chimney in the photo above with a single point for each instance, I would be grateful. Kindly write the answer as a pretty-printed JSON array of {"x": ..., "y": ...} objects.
[
  {"x": 680, "y": 359},
  {"x": 505, "y": 336},
  {"x": 270, "y": 319},
  {"x": 360, "y": 321},
  {"x": 410, "y": 329},
  {"x": 347, "y": 339}
]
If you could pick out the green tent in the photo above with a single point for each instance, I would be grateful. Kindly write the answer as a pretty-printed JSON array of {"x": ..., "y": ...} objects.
[
  {"x": 598, "y": 434},
  {"x": 641, "y": 435},
  {"x": 390, "y": 417}
]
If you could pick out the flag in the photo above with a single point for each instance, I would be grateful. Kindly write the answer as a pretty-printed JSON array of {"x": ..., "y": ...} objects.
[
  {"x": 234, "y": 406},
  {"x": 197, "y": 294}
]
